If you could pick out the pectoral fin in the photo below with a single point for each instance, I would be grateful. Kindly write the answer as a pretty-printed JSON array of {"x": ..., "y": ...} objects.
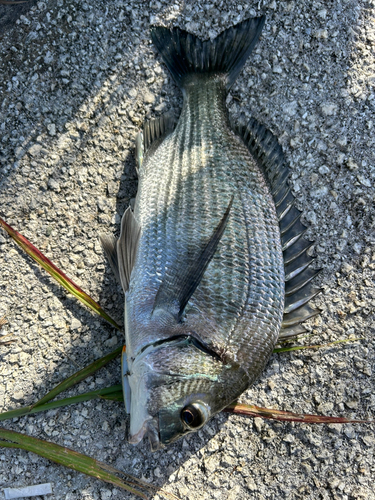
[
  {"x": 127, "y": 246},
  {"x": 121, "y": 253},
  {"x": 180, "y": 284},
  {"x": 109, "y": 244}
]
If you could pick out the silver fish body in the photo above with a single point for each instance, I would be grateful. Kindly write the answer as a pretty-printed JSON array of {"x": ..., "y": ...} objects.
[
  {"x": 197, "y": 335},
  {"x": 185, "y": 186}
]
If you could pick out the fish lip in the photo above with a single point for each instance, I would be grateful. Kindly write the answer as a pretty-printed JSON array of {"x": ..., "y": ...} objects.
[
  {"x": 149, "y": 429},
  {"x": 137, "y": 438}
]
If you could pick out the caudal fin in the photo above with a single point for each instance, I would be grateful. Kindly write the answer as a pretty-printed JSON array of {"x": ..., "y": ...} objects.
[{"x": 185, "y": 53}]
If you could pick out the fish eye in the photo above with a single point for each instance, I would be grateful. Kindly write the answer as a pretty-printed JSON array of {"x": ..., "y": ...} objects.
[{"x": 194, "y": 415}]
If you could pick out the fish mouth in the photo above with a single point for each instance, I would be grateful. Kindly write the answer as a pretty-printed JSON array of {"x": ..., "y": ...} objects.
[{"x": 149, "y": 429}]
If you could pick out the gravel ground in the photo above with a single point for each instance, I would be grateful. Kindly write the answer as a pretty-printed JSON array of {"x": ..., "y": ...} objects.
[{"x": 78, "y": 79}]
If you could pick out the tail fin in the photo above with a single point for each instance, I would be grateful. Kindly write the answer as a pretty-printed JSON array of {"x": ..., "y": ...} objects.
[{"x": 185, "y": 53}]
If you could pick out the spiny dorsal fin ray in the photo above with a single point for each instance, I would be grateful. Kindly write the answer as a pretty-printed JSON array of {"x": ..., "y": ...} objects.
[
  {"x": 266, "y": 150},
  {"x": 127, "y": 246},
  {"x": 180, "y": 284},
  {"x": 293, "y": 285},
  {"x": 300, "y": 298},
  {"x": 299, "y": 316}
]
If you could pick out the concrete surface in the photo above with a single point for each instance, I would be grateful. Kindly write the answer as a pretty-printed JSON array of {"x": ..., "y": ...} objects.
[{"x": 77, "y": 80}]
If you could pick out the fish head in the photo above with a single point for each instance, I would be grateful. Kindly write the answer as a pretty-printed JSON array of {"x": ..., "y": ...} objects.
[{"x": 176, "y": 387}]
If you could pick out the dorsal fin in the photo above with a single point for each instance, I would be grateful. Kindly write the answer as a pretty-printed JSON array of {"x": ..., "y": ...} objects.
[
  {"x": 182, "y": 281},
  {"x": 267, "y": 152},
  {"x": 157, "y": 128},
  {"x": 127, "y": 246},
  {"x": 153, "y": 130}
]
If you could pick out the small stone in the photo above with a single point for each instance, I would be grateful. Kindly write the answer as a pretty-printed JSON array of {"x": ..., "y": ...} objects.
[
  {"x": 19, "y": 152},
  {"x": 103, "y": 204},
  {"x": 111, "y": 342},
  {"x": 105, "y": 494},
  {"x": 291, "y": 108},
  {"x": 346, "y": 268},
  {"x": 349, "y": 431},
  {"x": 351, "y": 164},
  {"x": 322, "y": 13},
  {"x": 51, "y": 129},
  {"x": 271, "y": 384},
  {"x": 323, "y": 169},
  {"x": 289, "y": 438},
  {"x": 329, "y": 109},
  {"x": 17, "y": 395},
  {"x": 258, "y": 423},
  {"x": 75, "y": 324},
  {"x": 112, "y": 188},
  {"x": 35, "y": 149},
  {"x": 321, "y": 34},
  {"x": 54, "y": 185},
  {"x": 157, "y": 472},
  {"x": 357, "y": 247},
  {"x": 352, "y": 404},
  {"x": 148, "y": 97},
  {"x": 369, "y": 440},
  {"x": 363, "y": 180},
  {"x": 325, "y": 407}
]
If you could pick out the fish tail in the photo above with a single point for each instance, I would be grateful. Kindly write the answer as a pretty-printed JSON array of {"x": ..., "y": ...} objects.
[{"x": 185, "y": 53}]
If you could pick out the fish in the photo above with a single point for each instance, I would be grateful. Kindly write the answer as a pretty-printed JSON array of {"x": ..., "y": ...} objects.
[{"x": 211, "y": 257}]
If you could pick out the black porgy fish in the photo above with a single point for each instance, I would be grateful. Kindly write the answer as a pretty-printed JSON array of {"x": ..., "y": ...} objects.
[{"x": 211, "y": 259}]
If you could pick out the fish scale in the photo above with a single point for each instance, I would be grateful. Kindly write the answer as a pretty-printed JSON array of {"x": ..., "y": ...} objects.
[
  {"x": 206, "y": 162},
  {"x": 201, "y": 259}
]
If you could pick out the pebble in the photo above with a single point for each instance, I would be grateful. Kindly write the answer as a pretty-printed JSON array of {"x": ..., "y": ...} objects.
[
  {"x": 51, "y": 129},
  {"x": 35, "y": 150},
  {"x": 75, "y": 324},
  {"x": 329, "y": 109}
]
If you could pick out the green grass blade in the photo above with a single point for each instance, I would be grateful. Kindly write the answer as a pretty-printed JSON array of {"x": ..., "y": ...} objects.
[
  {"x": 79, "y": 462},
  {"x": 56, "y": 273},
  {"x": 113, "y": 393},
  {"x": 318, "y": 346},
  {"x": 74, "y": 460},
  {"x": 257, "y": 411},
  {"x": 79, "y": 376}
]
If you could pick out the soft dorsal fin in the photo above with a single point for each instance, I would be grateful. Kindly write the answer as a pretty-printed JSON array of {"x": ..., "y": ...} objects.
[
  {"x": 267, "y": 152},
  {"x": 155, "y": 129},
  {"x": 180, "y": 284},
  {"x": 127, "y": 246}
]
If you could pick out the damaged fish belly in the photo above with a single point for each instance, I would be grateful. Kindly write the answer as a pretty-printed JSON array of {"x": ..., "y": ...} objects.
[{"x": 211, "y": 260}]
